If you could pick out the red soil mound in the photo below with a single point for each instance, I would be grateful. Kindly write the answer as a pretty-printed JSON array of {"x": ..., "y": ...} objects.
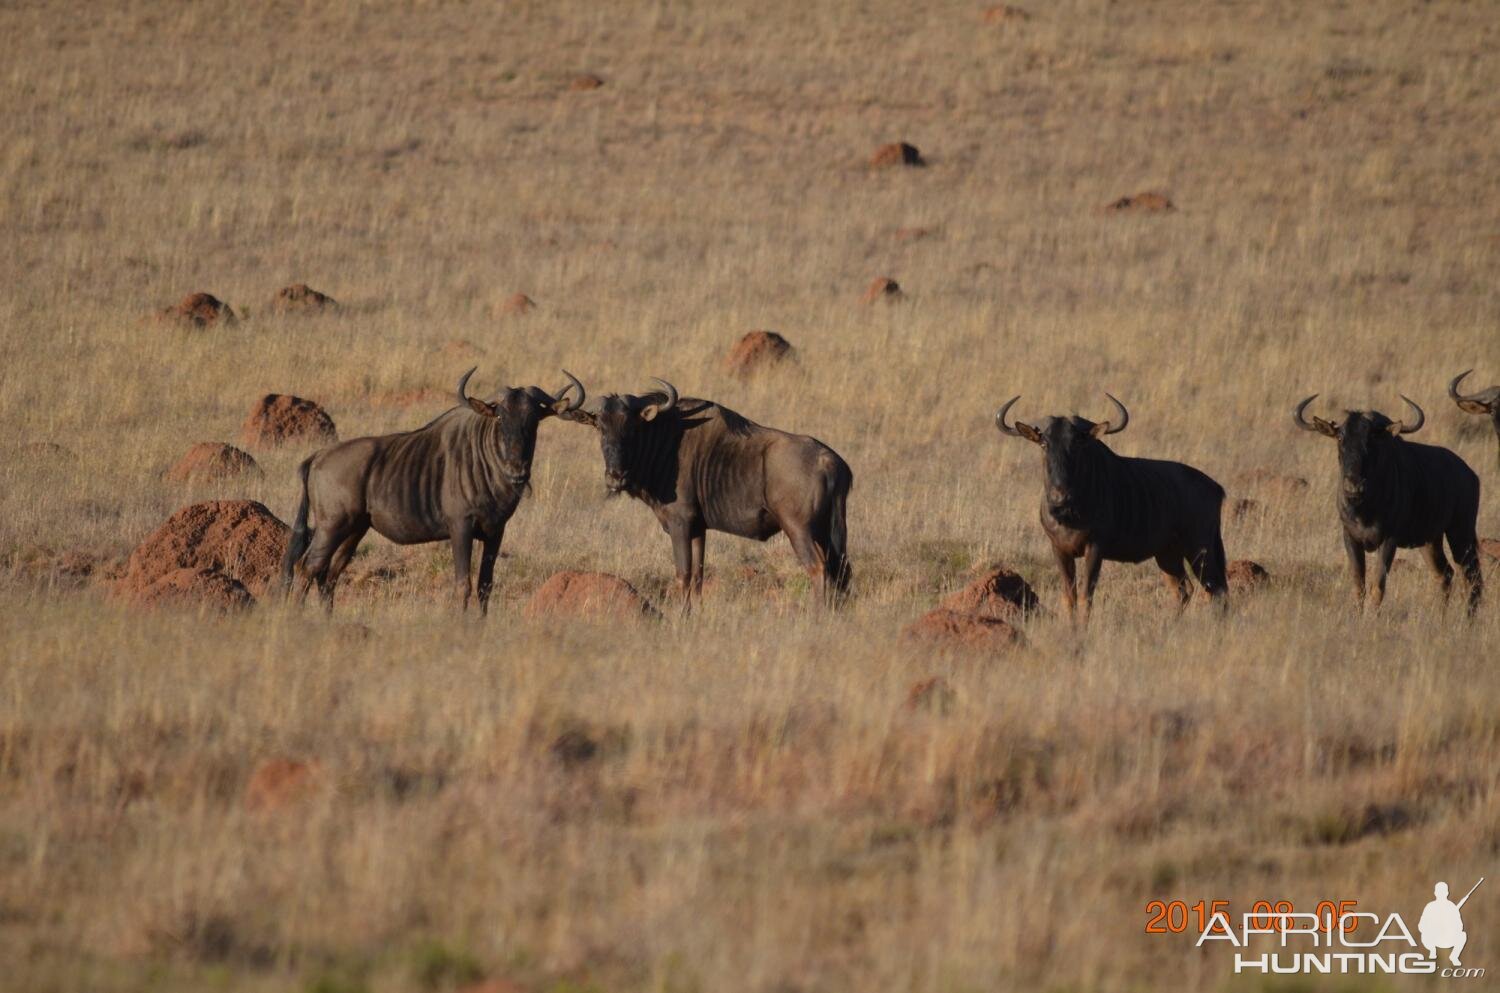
[
  {"x": 897, "y": 153},
  {"x": 996, "y": 592},
  {"x": 1142, "y": 203},
  {"x": 883, "y": 288},
  {"x": 211, "y": 460},
  {"x": 207, "y": 587},
  {"x": 279, "y": 783},
  {"x": 278, "y": 418},
  {"x": 587, "y": 594},
  {"x": 197, "y": 310},
  {"x": 239, "y": 538},
  {"x": 299, "y": 298},
  {"x": 585, "y": 81},
  {"x": 516, "y": 305},
  {"x": 757, "y": 351},
  {"x": 931, "y": 695},
  {"x": 956, "y": 629},
  {"x": 1003, "y": 14},
  {"x": 1245, "y": 576}
]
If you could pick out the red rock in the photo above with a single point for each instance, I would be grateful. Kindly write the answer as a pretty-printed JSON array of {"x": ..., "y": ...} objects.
[
  {"x": 278, "y": 418},
  {"x": 209, "y": 461}
]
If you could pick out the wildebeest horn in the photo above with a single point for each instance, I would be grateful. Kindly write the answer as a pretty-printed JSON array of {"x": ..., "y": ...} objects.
[
  {"x": 1421, "y": 418},
  {"x": 463, "y": 382},
  {"x": 650, "y": 412},
  {"x": 1114, "y": 428},
  {"x": 572, "y": 384},
  {"x": 1453, "y": 387},
  {"x": 1000, "y": 418},
  {"x": 1297, "y": 415},
  {"x": 1476, "y": 404}
]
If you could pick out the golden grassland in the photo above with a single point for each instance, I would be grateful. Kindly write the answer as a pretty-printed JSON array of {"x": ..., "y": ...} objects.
[{"x": 760, "y": 814}]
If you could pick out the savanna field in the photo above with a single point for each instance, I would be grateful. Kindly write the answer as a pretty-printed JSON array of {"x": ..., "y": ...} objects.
[{"x": 758, "y": 795}]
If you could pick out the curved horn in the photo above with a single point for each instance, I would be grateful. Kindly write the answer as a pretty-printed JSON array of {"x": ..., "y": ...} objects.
[
  {"x": 1421, "y": 417},
  {"x": 572, "y": 384},
  {"x": 463, "y": 383},
  {"x": 1000, "y": 418},
  {"x": 1302, "y": 421},
  {"x": 1114, "y": 428},
  {"x": 671, "y": 392},
  {"x": 1453, "y": 387}
]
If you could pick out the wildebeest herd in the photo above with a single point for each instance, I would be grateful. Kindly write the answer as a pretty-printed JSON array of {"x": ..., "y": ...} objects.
[{"x": 702, "y": 467}]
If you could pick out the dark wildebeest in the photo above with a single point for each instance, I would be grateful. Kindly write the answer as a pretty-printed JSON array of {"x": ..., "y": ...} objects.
[
  {"x": 1401, "y": 494},
  {"x": 1104, "y": 506},
  {"x": 460, "y": 477},
  {"x": 702, "y": 467},
  {"x": 1486, "y": 402}
]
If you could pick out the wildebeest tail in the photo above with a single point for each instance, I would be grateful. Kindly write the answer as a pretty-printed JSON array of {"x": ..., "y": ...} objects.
[
  {"x": 301, "y": 537},
  {"x": 840, "y": 482}
]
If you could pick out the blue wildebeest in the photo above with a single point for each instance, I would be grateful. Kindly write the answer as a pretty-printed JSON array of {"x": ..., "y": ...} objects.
[
  {"x": 1396, "y": 493},
  {"x": 1485, "y": 402},
  {"x": 1107, "y": 507},
  {"x": 702, "y": 467},
  {"x": 459, "y": 478}
]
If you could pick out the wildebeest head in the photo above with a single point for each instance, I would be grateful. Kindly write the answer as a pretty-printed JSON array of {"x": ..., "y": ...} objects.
[
  {"x": 1366, "y": 439},
  {"x": 517, "y": 411},
  {"x": 1069, "y": 447},
  {"x": 620, "y": 421},
  {"x": 1485, "y": 402}
]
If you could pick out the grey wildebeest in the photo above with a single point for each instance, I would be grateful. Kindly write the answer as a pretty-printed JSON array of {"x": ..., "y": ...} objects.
[
  {"x": 1485, "y": 402},
  {"x": 458, "y": 478},
  {"x": 1107, "y": 507},
  {"x": 1396, "y": 493},
  {"x": 702, "y": 467}
]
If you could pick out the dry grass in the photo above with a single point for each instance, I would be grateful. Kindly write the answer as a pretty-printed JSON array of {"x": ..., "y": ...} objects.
[{"x": 759, "y": 814}]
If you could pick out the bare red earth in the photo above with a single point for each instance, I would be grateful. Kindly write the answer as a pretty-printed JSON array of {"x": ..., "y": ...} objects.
[
  {"x": 897, "y": 153},
  {"x": 278, "y": 783},
  {"x": 197, "y": 310},
  {"x": 299, "y": 298},
  {"x": 204, "y": 587},
  {"x": 1246, "y": 576},
  {"x": 883, "y": 288},
  {"x": 516, "y": 305},
  {"x": 1142, "y": 203},
  {"x": 996, "y": 592}
]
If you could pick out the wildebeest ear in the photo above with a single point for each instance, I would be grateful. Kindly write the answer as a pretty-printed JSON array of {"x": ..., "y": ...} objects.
[
  {"x": 579, "y": 416},
  {"x": 1099, "y": 430},
  {"x": 1028, "y": 432},
  {"x": 1473, "y": 407},
  {"x": 481, "y": 408},
  {"x": 1327, "y": 428}
]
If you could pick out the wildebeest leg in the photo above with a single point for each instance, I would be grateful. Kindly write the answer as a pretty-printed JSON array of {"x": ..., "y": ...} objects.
[
  {"x": 326, "y": 541},
  {"x": 695, "y": 578},
  {"x": 489, "y": 550},
  {"x": 340, "y": 562},
  {"x": 1356, "y": 566},
  {"x": 461, "y": 536},
  {"x": 814, "y": 559},
  {"x": 682, "y": 557},
  {"x": 1440, "y": 565},
  {"x": 1384, "y": 556},
  {"x": 1093, "y": 558},
  {"x": 1065, "y": 566},
  {"x": 1175, "y": 575},
  {"x": 1465, "y": 547}
]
